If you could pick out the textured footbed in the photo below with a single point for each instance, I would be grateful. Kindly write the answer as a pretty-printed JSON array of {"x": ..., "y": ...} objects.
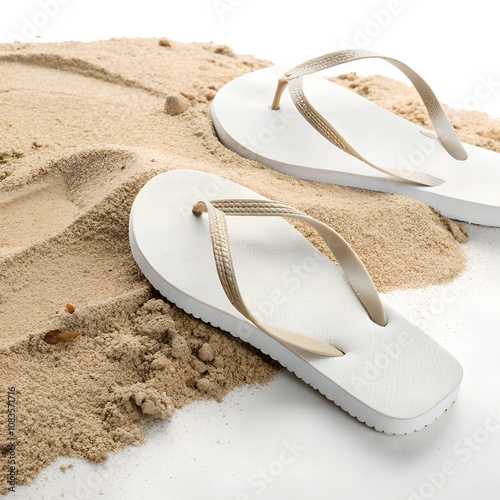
[
  {"x": 395, "y": 378},
  {"x": 284, "y": 140}
]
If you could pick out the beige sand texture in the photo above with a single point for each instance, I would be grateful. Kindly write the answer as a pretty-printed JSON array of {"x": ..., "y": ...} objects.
[{"x": 82, "y": 128}]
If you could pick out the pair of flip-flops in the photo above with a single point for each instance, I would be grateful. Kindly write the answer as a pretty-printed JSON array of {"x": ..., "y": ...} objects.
[{"x": 325, "y": 324}]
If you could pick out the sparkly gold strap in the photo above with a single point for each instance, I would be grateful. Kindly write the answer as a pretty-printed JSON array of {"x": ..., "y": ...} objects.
[
  {"x": 443, "y": 127},
  {"x": 353, "y": 268}
]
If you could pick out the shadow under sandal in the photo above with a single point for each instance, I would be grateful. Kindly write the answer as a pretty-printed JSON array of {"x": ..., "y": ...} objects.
[
  {"x": 272, "y": 288},
  {"x": 324, "y": 132}
]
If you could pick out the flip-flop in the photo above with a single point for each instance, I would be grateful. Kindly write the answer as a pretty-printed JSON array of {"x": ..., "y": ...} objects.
[
  {"x": 275, "y": 290},
  {"x": 354, "y": 142}
]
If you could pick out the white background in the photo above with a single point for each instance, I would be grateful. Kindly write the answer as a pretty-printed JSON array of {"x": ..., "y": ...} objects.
[
  {"x": 237, "y": 449},
  {"x": 452, "y": 44}
]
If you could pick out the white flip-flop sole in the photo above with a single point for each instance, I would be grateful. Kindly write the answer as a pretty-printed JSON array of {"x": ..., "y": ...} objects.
[
  {"x": 394, "y": 378},
  {"x": 285, "y": 141}
]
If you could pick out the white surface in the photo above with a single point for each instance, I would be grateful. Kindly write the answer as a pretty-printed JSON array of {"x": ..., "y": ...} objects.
[{"x": 212, "y": 450}]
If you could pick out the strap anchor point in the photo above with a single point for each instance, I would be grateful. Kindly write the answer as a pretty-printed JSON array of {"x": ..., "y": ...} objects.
[{"x": 199, "y": 208}]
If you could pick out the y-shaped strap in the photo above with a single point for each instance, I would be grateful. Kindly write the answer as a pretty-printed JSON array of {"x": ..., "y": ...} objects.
[
  {"x": 443, "y": 127},
  {"x": 353, "y": 268}
]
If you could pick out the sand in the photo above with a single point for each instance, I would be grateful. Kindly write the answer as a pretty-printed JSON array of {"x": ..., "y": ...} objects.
[{"x": 82, "y": 128}]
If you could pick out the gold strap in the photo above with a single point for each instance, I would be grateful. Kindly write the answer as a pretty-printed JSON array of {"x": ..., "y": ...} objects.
[
  {"x": 350, "y": 263},
  {"x": 443, "y": 127}
]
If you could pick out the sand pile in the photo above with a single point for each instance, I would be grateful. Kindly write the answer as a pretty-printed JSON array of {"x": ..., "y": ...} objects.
[{"x": 82, "y": 128}]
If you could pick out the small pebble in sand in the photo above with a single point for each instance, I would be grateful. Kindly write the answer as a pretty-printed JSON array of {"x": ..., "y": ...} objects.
[
  {"x": 70, "y": 308},
  {"x": 51, "y": 337},
  {"x": 176, "y": 104},
  {"x": 67, "y": 335},
  {"x": 56, "y": 336},
  {"x": 206, "y": 353},
  {"x": 164, "y": 42}
]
